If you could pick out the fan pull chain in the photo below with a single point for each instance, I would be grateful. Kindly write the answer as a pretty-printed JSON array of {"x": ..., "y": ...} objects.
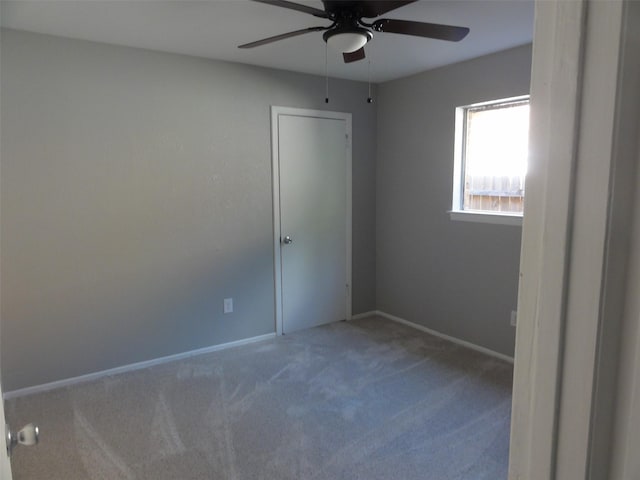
[
  {"x": 369, "y": 98},
  {"x": 326, "y": 72}
]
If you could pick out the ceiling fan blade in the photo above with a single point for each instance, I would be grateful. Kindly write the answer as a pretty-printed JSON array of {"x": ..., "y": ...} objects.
[
  {"x": 295, "y": 6},
  {"x": 364, "y": 8},
  {"x": 420, "y": 29},
  {"x": 354, "y": 56},
  {"x": 375, "y": 8},
  {"x": 282, "y": 36}
]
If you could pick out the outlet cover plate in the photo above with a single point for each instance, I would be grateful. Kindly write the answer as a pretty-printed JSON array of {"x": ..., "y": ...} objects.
[{"x": 228, "y": 305}]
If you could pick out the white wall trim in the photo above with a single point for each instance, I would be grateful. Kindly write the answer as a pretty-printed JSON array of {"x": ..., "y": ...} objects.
[
  {"x": 483, "y": 217},
  {"x": 360, "y": 316},
  {"x": 435, "y": 333},
  {"x": 67, "y": 382},
  {"x": 21, "y": 392}
]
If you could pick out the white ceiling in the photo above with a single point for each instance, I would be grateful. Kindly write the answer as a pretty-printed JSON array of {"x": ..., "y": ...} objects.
[{"x": 214, "y": 29}]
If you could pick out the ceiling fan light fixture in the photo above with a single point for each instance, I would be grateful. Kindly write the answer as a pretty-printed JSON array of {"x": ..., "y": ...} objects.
[{"x": 347, "y": 42}]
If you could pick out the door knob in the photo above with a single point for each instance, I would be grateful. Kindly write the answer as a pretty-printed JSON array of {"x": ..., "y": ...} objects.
[
  {"x": 28, "y": 436},
  {"x": 287, "y": 240}
]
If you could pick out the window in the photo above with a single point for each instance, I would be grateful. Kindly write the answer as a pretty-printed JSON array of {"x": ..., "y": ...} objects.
[{"x": 491, "y": 160}]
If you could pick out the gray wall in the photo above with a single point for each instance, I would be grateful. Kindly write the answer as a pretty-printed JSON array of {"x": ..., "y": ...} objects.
[
  {"x": 136, "y": 195},
  {"x": 457, "y": 278}
]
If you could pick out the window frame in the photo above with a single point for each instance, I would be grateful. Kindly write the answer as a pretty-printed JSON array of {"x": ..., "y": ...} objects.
[{"x": 457, "y": 211}]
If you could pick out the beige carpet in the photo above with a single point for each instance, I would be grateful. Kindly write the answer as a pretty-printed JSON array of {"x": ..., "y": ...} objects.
[{"x": 368, "y": 399}]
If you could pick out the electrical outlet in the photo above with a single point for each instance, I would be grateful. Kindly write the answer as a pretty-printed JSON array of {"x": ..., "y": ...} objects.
[
  {"x": 514, "y": 318},
  {"x": 228, "y": 305}
]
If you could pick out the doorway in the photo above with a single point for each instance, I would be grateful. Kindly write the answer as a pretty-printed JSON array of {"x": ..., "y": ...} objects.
[{"x": 311, "y": 154}]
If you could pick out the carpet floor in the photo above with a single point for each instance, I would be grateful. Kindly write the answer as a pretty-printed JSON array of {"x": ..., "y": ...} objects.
[{"x": 367, "y": 399}]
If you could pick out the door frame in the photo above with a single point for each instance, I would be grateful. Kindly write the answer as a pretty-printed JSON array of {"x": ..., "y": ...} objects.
[
  {"x": 5, "y": 465},
  {"x": 575, "y": 240},
  {"x": 276, "y": 111},
  {"x": 5, "y": 461}
]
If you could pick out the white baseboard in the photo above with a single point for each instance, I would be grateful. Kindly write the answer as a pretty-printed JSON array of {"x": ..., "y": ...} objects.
[
  {"x": 435, "y": 333},
  {"x": 21, "y": 392},
  {"x": 359, "y": 316}
]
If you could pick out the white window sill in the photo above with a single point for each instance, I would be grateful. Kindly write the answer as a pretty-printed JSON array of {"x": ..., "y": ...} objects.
[{"x": 481, "y": 217}]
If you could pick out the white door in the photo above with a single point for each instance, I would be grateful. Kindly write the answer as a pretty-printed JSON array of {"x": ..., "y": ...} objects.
[{"x": 312, "y": 198}]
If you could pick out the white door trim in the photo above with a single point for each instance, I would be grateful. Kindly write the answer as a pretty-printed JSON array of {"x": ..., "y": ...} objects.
[
  {"x": 5, "y": 465},
  {"x": 575, "y": 245},
  {"x": 276, "y": 111},
  {"x": 5, "y": 461},
  {"x": 555, "y": 81}
]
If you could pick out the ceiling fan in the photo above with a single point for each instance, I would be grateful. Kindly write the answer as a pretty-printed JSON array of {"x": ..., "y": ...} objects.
[{"x": 348, "y": 33}]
